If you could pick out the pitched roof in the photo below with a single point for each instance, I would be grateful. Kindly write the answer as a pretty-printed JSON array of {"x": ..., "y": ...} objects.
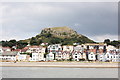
[{"x": 9, "y": 53}]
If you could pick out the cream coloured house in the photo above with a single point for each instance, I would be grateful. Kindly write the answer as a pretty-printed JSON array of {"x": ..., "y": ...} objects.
[
  {"x": 54, "y": 48},
  {"x": 9, "y": 56},
  {"x": 38, "y": 51},
  {"x": 79, "y": 48},
  {"x": 22, "y": 57},
  {"x": 66, "y": 55},
  {"x": 77, "y": 56},
  {"x": 50, "y": 57},
  {"x": 110, "y": 47},
  {"x": 68, "y": 48},
  {"x": 92, "y": 56}
]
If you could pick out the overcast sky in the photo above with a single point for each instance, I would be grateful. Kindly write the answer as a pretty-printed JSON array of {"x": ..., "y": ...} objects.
[{"x": 97, "y": 21}]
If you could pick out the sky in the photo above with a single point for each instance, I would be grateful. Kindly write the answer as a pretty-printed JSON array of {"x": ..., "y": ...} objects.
[{"x": 23, "y": 20}]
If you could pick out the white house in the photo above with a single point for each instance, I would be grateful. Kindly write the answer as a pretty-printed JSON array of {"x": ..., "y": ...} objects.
[
  {"x": 22, "y": 57},
  {"x": 58, "y": 56},
  {"x": 54, "y": 48},
  {"x": 94, "y": 46},
  {"x": 68, "y": 48},
  {"x": 6, "y": 49},
  {"x": 110, "y": 47},
  {"x": 35, "y": 57},
  {"x": 101, "y": 57},
  {"x": 44, "y": 44},
  {"x": 116, "y": 57},
  {"x": 79, "y": 48},
  {"x": 77, "y": 56},
  {"x": 1, "y": 50},
  {"x": 36, "y": 49},
  {"x": 66, "y": 55},
  {"x": 50, "y": 57},
  {"x": 108, "y": 56},
  {"x": 37, "y": 52},
  {"x": 9, "y": 55},
  {"x": 92, "y": 56}
]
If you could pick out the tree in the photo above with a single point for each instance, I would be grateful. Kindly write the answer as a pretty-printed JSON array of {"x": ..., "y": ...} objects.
[
  {"x": 21, "y": 44},
  {"x": 107, "y": 41}
]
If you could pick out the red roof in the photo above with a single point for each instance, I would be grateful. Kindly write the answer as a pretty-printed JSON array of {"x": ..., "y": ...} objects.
[{"x": 17, "y": 50}]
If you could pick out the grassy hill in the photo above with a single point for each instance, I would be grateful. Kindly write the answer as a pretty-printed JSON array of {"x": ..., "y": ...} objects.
[{"x": 55, "y": 35}]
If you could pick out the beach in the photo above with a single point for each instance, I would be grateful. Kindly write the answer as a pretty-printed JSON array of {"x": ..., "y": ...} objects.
[
  {"x": 59, "y": 70},
  {"x": 62, "y": 64}
]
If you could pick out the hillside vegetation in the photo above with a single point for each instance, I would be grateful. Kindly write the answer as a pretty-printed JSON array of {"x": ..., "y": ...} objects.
[{"x": 62, "y": 35}]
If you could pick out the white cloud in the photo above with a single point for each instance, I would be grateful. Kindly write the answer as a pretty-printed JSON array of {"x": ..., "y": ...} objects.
[
  {"x": 24, "y": 20},
  {"x": 99, "y": 38}
]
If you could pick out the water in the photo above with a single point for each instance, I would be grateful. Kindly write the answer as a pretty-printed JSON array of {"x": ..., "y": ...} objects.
[{"x": 50, "y": 72}]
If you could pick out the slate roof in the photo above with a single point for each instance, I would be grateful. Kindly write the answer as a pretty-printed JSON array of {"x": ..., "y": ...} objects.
[{"x": 9, "y": 53}]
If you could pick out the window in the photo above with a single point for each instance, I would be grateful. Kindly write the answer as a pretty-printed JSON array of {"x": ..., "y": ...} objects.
[
  {"x": 75, "y": 56},
  {"x": 87, "y": 47},
  {"x": 91, "y": 56}
]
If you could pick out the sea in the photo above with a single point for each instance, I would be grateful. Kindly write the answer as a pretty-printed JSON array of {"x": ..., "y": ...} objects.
[{"x": 55, "y": 72}]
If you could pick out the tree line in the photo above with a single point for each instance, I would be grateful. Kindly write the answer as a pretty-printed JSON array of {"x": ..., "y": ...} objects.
[{"x": 33, "y": 41}]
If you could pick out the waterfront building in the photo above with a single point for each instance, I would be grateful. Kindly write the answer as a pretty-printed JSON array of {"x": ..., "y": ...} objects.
[
  {"x": 79, "y": 48},
  {"x": 110, "y": 47},
  {"x": 92, "y": 56},
  {"x": 35, "y": 57},
  {"x": 58, "y": 56},
  {"x": 68, "y": 48},
  {"x": 6, "y": 49},
  {"x": 76, "y": 56},
  {"x": 8, "y": 56},
  {"x": 95, "y": 47},
  {"x": 66, "y": 55},
  {"x": 22, "y": 57},
  {"x": 50, "y": 57},
  {"x": 36, "y": 49},
  {"x": 54, "y": 48},
  {"x": 1, "y": 50}
]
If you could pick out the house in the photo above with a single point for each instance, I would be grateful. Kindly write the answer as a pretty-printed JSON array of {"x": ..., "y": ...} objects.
[
  {"x": 54, "y": 48},
  {"x": 22, "y": 57},
  {"x": 66, "y": 55},
  {"x": 58, "y": 56},
  {"x": 77, "y": 56},
  {"x": 6, "y": 49},
  {"x": 67, "y": 48},
  {"x": 35, "y": 49},
  {"x": 110, "y": 47},
  {"x": 35, "y": 57},
  {"x": 108, "y": 56},
  {"x": 19, "y": 50},
  {"x": 116, "y": 57},
  {"x": 101, "y": 57},
  {"x": 24, "y": 50},
  {"x": 50, "y": 57},
  {"x": 76, "y": 44},
  {"x": 95, "y": 47},
  {"x": 9, "y": 56},
  {"x": 44, "y": 44},
  {"x": 92, "y": 56},
  {"x": 1, "y": 50},
  {"x": 79, "y": 48}
]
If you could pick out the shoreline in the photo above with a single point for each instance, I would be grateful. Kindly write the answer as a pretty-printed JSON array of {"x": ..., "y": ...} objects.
[{"x": 60, "y": 64}]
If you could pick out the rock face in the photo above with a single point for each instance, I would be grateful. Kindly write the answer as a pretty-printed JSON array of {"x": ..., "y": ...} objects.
[
  {"x": 62, "y": 35},
  {"x": 61, "y": 32}
]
